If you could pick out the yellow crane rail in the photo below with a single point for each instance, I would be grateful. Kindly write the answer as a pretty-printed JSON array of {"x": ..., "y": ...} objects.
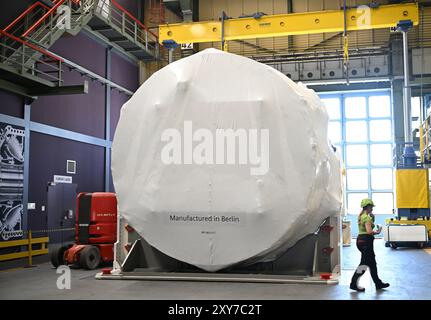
[{"x": 360, "y": 18}]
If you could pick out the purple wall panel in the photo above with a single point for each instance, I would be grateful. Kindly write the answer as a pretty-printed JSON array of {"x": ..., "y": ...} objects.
[
  {"x": 11, "y": 104},
  {"x": 117, "y": 101},
  {"x": 124, "y": 73},
  {"x": 83, "y": 113},
  {"x": 48, "y": 157},
  {"x": 82, "y": 50}
]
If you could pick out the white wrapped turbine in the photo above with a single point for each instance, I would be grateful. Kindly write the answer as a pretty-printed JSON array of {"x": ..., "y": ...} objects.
[{"x": 218, "y": 159}]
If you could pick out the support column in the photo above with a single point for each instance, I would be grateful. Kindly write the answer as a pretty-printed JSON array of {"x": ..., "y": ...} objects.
[
  {"x": 27, "y": 116},
  {"x": 108, "y": 120},
  {"x": 397, "y": 103},
  {"x": 397, "y": 86}
]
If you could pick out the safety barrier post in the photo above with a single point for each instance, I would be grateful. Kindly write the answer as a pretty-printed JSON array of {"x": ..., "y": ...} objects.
[{"x": 30, "y": 249}]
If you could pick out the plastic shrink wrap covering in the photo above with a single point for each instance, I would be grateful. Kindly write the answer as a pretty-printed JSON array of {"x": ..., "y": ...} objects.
[{"x": 213, "y": 205}]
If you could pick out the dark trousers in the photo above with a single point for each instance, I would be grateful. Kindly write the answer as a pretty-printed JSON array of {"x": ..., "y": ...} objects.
[{"x": 365, "y": 244}]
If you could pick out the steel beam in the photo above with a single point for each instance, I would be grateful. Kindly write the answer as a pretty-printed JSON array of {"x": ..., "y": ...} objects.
[
  {"x": 54, "y": 131},
  {"x": 15, "y": 88},
  {"x": 12, "y": 120},
  {"x": 118, "y": 39},
  {"x": 61, "y": 90},
  {"x": 356, "y": 86},
  {"x": 102, "y": 28},
  {"x": 360, "y": 18},
  {"x": 66, "y": 134},
  {"x": 35, "y": 91}
]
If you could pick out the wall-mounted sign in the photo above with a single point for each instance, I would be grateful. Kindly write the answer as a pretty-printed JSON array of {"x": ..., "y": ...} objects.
[
  {"x": 62, "y": 179},
  {"x": 186, "y": 46}
]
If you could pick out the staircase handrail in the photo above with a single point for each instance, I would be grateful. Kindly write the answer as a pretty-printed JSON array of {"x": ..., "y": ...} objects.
[
  {"x": 115, "y": 3},
  {"x": 46, "y": 15},
  {"x": 22, "y": 15},
  {"x": 6, "y": 34}
]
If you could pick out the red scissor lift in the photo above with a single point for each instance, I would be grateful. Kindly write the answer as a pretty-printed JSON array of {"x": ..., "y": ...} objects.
[{"x": 95, "y": 232}]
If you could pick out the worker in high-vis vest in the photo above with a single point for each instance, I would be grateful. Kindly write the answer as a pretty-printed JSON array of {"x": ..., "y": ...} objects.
[{"x": 364, "y": 243}]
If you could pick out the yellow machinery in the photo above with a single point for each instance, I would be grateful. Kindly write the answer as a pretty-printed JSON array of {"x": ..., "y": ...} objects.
[
  {"x": 412, "y": 180},
  {"x": 412, "y": 192},
  {"x": 412, "y": 224}
]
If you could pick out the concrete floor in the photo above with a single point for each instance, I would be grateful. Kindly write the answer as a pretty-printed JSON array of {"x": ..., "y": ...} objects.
[{"x": 408, "y": 270}]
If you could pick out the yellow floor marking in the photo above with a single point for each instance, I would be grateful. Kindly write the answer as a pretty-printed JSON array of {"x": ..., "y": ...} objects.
[
  {"x": 428, "y": 250},
  {"x": 19, "y": 268}
]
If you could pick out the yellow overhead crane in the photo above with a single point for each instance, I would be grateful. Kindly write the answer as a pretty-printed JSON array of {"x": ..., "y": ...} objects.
[
  {"x": 264, "y": 26},
  {"x": 260, "y": 25}
]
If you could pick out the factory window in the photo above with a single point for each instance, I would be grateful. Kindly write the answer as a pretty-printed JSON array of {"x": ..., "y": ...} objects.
[
  {"x": 360, "y": 126},
  {"x": 355, "y": 107},
  {"x": 381, "y": 179},
  {"x": 381, "y": 154},
  {"x": 357, "y": 179},
  {"x": 357, "y": 155},
  {"x": 380, "y": 106},
  {"x": 356, "y": 131},
  {"x": 380, "y": 130}
]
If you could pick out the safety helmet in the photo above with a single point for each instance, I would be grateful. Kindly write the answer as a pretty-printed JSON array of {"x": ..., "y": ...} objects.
[{"x": 367, "y": 202}]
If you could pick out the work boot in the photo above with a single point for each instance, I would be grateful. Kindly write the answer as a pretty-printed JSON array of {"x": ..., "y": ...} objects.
[
  {"x": 382, "y": 285},
  {"x": 355, "y": 287}
]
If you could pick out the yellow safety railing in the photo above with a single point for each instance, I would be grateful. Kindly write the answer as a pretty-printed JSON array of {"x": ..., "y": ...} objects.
[{"x": 29, "y": 242}]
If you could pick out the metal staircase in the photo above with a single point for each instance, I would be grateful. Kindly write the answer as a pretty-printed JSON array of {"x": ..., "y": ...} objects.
[
  {"x": 114, "y": 23},
  {"x": 26, "y": 65}
]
